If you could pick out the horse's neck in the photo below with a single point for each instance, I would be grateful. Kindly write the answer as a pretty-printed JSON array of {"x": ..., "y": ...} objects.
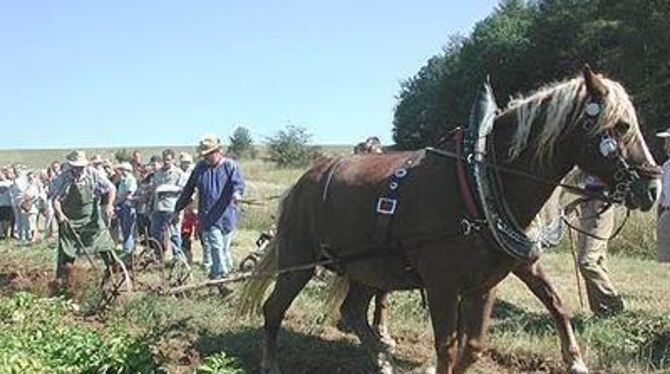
[{"x": 525, "y": 196}]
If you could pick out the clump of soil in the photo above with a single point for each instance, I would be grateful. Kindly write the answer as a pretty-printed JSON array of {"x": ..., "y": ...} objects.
[
  {"x": 13, "y": 279},
  {"x": 176, "y": 350},
  {"x": 526, "y": 362},
  {"x": 16, "y": 277}
]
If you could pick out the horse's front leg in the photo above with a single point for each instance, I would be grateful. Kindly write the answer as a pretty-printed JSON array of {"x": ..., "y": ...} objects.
[
  {"x": 535, "y": 278},
  {"x": 443, "y": 305},
  {"x": 475, "y": 315}
]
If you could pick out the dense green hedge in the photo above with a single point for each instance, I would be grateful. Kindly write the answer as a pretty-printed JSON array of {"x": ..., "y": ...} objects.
[{"x": 524, "y": 44}]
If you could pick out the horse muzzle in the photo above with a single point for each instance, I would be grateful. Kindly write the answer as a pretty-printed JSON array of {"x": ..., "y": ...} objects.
[{"x": 643, "y": 194}]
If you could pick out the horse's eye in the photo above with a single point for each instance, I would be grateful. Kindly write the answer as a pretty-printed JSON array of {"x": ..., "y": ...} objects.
[{"x": 621, "y": 127}]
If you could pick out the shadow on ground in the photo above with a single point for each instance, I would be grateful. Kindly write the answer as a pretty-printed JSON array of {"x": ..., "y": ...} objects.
[{"x": 298, "y": 353}]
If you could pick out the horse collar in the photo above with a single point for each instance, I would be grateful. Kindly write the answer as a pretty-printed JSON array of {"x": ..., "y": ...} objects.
[{"x": 484, "y": 183}]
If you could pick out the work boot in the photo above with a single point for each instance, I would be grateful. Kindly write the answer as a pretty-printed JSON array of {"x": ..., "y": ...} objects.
[
  {"x": 224, "y": 291},
  {"x": 63, "y": 285}
]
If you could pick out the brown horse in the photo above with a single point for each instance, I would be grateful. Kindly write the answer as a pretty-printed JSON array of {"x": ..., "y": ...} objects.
[{"x": 330, "y": 214}]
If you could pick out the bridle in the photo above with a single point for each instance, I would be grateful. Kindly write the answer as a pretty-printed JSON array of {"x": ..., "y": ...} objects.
[
  {"x": 625, "y": 175},
  {"x": 608, "y": 147}
]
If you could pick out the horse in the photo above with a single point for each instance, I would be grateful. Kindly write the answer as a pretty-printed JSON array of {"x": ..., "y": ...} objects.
[
  {"x": 548, "y": 226},
  {"x": 329, "y": 214}
]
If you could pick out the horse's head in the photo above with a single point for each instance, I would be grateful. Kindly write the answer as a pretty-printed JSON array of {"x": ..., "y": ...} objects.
[{"x": 607, "y": 143}]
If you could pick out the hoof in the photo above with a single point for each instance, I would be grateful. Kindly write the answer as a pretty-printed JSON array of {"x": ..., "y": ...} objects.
[
  {"x": 384, "y": 364},
  {"x": 270, "y": 370},
  {"x": 344, "y": 325},
  {"x": 578, "y": 367},
  {"x": 425, "y": 370},
  {"x": 388, "y": 343}
]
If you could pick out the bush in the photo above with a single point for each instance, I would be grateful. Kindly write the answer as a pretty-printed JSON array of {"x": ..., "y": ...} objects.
[
  {"x": 123, "y": 155},
  {"x": 36, "y": 336},
  {"x": 220, "y": 363},
  {"x": 290, "y": 147},
  {"x": 242, "y": 144}
]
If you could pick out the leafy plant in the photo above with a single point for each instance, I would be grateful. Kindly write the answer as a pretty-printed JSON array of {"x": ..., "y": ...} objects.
[
  {"x": 220, "y": 363},
  {"x": 290, "y": 147},
  {"x": 37, "y": 336}
]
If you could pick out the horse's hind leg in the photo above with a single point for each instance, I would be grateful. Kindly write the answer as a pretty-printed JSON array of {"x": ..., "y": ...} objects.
[
  {"x": 354, "y": 309},
  {"x": 380, "y": 319},
  {"x": 286, "y": 288},
  {"x": 534, "y": 277}
]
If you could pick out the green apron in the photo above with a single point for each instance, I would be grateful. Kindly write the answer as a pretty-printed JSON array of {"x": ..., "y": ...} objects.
[{"x": 81, "y": 207}]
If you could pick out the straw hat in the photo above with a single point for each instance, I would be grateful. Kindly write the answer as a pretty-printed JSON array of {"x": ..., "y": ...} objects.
[
  {"x": 126, "y": 166},
  {"x": 664, "y": 134},
  {"x": 77, "y": 159},
  {"x": 209, "y": 144},
  {"x": 185, "y": 157},
  {"x": 96, "y": 160}
]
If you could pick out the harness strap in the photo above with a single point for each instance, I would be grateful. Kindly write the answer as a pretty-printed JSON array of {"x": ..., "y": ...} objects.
[
  {"x": 399, "y": 248},
  {"x": 466, "y": 191},
  {"x": 505, "y": 169},
  {"x": 386, "y": 207}
]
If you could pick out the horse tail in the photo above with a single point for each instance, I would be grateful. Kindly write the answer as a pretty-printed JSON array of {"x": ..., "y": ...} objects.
[
  {"x": 253, "y": 290},
  {"x": 337, "y": 291}
]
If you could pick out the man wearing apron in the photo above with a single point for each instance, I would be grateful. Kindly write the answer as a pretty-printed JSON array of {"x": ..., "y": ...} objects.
[{"x": 76, "y": 201}]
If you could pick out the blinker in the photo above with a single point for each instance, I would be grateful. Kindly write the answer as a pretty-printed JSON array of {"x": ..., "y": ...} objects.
[
  {"x": 592, "y": 109},
  {"x": 608, "y": 146}
]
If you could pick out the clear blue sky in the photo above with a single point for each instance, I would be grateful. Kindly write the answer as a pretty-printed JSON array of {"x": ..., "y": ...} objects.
[{"x": 122, "y": 73}]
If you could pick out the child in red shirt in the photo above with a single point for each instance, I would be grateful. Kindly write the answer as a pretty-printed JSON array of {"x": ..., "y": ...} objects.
[{"x": 189, "y": 231}]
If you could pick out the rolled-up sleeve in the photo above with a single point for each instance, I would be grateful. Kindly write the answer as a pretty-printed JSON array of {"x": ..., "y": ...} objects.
[
  {"x": 101, "y": 183},
  {"x": 237, "y": 181},
  {"x": 57, "y": 188}
]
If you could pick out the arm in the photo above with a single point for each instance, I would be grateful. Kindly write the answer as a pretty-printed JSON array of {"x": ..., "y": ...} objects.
[
  {"x": 187, "y": 192},
  {"x": 238, "y": 184},
  {"x": 56, "y": 193},
  {"x": 659, "y": 205},
  {"x": 58, "y": 211},
  {"x": 105, "y": 186}
]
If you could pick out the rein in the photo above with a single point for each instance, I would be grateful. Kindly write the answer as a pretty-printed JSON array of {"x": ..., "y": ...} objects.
[
  {"x": 506, "y": 169},
  {"x": 572, "y": 206},
  {"x": 584, "y": 193}
]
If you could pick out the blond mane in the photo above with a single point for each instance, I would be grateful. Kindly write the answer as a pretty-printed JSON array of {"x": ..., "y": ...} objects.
[{"x": 554, "y": 107}]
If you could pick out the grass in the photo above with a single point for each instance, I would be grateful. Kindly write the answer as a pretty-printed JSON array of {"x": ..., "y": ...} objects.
[{"x": 203, "y": 333}]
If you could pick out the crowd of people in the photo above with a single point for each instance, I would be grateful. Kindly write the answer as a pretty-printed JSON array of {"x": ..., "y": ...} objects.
[
  {"x": 99, "y": 204},
  {"x": 24, "y": 202}
]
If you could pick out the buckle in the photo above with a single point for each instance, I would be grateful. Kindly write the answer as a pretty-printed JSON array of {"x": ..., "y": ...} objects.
[
  {"x": 386, "y": 205},
  {"x": 469, "y": 226}
]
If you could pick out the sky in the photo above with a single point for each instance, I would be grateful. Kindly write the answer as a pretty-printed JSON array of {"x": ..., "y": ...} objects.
[{"x": 122, "y": 73}]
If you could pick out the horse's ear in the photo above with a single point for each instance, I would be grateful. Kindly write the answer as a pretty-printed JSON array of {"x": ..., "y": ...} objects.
[{"x": 594, "y": 85}]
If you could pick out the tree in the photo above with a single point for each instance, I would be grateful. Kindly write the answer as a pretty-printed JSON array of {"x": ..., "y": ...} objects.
[
  {"x": 123, "y": 155},
  {"x": 242, "y": 144},
  {"x": 290, "y": 147}
]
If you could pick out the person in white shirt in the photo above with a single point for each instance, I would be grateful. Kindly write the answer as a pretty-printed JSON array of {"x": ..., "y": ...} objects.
[
  {"x": 29, "y": 205},
  {"x": 663, "y": 218},
  {"x": 17, "y": 191},
  {"x": 125, "y": 205}
]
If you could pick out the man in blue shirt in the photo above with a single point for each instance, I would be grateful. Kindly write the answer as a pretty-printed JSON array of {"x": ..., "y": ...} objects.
[{"x": 220, "y": 189}]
